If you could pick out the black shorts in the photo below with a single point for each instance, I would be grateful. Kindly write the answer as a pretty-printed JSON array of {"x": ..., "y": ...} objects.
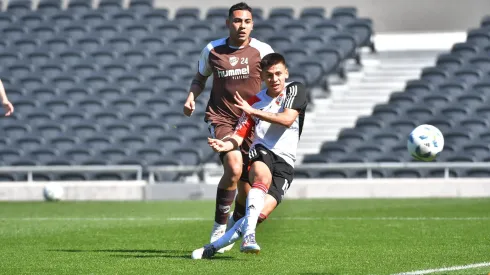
[
  {"x": 282, "y": 172},
  {"x": 220, "y": 131}
]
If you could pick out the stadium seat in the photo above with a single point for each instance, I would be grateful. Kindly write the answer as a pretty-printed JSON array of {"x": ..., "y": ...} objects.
[
  {"x": 258, "y": 14},
  {"x": 485, "y": 21},
  {"x": 217, "y": 15},
  {"x": 187, "y": 16},
  {"x": 452, "y": 87},
  {"x": 264, "y": 29},
  {"x": 156, "y": 17},
  {"x": 478, "y": 37},
  {"x": 481, "y": 62},
  {"x": 312, "y": 14},
  {"x": 30, "y": 20},
  {"x": 14, "y": 31},
  {"x": 19, "y": 7},
  {"x": 344, "y": 15},
  {"x": 93, "y": 18},
  {"x": 482, "y": 87},
  {"x": 110, "y": 6},
  {"x": 347, "y": 45},
  {"x": 281, "y": 14},
  {"x": 79, "y": 6},
  {"x": 49, "y": 6},
  {"x": 62, "y": 18},
  {"x": 434, "y": 75},
  {"x": 141, "y": 6},
  {"x": 362, "y": 30},
  {"x": 386, "y": 112},
  {"x": 105, "y": 118},
  {"x": 464, "y": 50},
  {"x": 450, "y": 62},
  {"x": 468, "y": 74}
]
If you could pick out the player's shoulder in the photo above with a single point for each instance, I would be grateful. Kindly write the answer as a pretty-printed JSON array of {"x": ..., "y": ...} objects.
[
  {"x": 295, "y": 87},
  {"x": 215, "y": 43},
  {"x": 261, "y": 46}
]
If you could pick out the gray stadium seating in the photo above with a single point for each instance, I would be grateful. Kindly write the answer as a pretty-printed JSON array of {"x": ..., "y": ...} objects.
[
  {"x": 452, "y": 96},
  {"x": 105, "y": 85}
]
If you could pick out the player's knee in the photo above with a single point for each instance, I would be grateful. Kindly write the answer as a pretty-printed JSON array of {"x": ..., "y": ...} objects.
[{"x": 233, "y": 169}]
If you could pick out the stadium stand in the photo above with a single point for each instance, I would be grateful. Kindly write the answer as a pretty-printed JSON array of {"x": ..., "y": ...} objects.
[
  {"x": 452, "y": 95},
  {"x": 106, "y": 84}
]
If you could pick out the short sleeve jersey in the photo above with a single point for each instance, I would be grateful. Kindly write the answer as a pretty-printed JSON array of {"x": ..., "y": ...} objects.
[
  {"x": 233, "y": 69},
  {"x": 279, "y": 139}
]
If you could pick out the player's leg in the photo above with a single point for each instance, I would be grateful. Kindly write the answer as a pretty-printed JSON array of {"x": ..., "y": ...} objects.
[
  {"x": 226, "y": 191},
  {"x": 261, "y": 178},
  {"x": 231, "y": 236},
  {"x": 273, "y": 176},
  {"x": 243, "y": 187}
]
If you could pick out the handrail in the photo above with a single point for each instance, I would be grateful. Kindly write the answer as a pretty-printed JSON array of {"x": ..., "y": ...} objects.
[{"x": 368, "y": 166}]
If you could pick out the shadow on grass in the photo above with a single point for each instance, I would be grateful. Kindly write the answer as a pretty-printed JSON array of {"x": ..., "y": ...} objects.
[
  {"x": 187, "y": 256},
  {"x": 123, "y": 250},
  {"x": 143, "y": 253}
]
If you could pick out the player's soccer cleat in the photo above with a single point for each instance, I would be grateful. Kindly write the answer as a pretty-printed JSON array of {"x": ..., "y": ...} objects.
[
  {"x": 249, "y": 245},
  {"x": 206, "y": 252},
  {"x": 229, "y": 225},
  {"x": 218, "y": 231}
]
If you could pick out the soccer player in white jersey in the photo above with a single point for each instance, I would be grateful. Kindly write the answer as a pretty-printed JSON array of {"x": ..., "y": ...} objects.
[
  {"x": 234, "y": 64},
  {"x": 7, "y": 105},
  {"x": 276, "y": 116}
]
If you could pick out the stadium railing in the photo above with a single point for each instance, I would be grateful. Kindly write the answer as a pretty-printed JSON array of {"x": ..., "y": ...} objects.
[
  {"x": 203, "y": 169},
  {"x": 30, "y": 170},
  {"x": 368, "y": 167}
]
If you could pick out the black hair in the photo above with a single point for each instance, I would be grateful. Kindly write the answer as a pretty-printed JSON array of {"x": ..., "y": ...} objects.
[
  {"x": 239, "y": 7},
  {"x": 271, "y": 60}
]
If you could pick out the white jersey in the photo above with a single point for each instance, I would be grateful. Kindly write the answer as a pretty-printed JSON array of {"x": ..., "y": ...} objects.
[{"x": 281, "y": 140}]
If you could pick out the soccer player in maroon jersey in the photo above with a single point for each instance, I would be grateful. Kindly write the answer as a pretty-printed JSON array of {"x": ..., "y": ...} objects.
[
  {"x": 234, "y": 63},
  {"x": 7, "y": 105}
]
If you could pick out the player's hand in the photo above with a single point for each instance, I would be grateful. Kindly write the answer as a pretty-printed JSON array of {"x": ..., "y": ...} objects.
[
  {"x": 189, "y": 106},
  {"x": 216, "y": 144},
  {"x": 9, "y": 108},
  {"x": 243, "y": 104}
]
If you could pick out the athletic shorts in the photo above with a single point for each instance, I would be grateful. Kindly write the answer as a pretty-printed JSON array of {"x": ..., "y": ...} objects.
[
  {"x": 220, "y": 131},
  {"x": 282, "y": 172}
]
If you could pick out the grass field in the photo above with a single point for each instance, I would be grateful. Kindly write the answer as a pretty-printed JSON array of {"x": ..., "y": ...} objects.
[{"x": 301, "y": 237}]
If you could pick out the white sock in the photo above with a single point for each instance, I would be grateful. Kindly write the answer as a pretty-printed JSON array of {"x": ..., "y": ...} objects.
[
  {"x": 231, "y": 236},
  {"x": 255, "y": 204}
]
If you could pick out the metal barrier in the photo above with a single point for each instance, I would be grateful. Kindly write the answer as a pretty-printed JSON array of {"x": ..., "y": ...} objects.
[
  {"x": 66, "y": 168},
  {"x": 368, "y": 166}
]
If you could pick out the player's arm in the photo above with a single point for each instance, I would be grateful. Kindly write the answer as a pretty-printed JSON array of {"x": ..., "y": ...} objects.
[
  {"x": 9, "y": 108},
  {"x": 295, "y": 101},
  {"x": 243, "y": 130},
  {"x": 198, "y": 83}
]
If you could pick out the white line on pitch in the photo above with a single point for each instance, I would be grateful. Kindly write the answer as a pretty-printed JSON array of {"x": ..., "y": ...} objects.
[
  {"x": 272, "y": 218},
  {"x": 452, "y": 268}
]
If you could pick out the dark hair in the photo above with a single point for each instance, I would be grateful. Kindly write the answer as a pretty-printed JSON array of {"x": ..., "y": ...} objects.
[
  {"x": 239, "y": 7},
  {"x": 271, "y": 60}
]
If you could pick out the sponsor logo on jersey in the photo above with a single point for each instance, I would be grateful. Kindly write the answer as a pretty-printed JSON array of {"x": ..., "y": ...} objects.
[
  {"x": 239, "y": 73},
  {"x": 233, "y": 60}
]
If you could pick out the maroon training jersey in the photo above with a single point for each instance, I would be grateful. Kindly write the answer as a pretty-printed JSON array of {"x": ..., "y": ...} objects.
[{"x": 233, "y": 69}]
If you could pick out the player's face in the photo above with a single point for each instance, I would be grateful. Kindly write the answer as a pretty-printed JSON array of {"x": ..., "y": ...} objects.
[
  {"x": 275, "y": 77},
  {"x": 240, "y": 25}
]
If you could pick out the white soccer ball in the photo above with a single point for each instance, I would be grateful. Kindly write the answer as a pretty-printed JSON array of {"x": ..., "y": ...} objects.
[
  {"x": 425, "y": 142},
  {"x": 53, "y": 192}
]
